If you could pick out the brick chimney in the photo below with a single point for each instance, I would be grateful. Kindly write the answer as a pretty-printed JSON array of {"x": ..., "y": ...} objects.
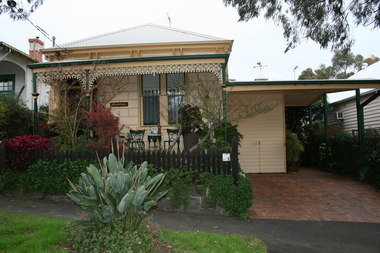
[{"x": 35, "y": 45}]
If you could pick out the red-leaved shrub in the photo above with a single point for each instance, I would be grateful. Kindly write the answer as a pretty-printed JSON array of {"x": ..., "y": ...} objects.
[
  {"x": 104, "y": 124},
  {"x": 19, "y": 150}
]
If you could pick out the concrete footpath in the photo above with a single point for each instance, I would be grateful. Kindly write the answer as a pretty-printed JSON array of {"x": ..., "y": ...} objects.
[{"x": 279, "y": 236}]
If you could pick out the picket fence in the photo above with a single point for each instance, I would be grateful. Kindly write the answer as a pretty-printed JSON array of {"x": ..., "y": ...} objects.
[{"x": 204, "y": 161}]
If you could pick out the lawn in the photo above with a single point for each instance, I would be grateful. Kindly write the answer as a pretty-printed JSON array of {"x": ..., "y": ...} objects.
[{"x": 28, "y": 233}]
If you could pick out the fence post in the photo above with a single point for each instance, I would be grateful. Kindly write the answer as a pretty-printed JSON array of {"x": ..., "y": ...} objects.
[{"x": 235, "y": 160}]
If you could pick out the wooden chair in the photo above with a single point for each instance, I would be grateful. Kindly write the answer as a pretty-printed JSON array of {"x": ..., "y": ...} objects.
[
  {"x": 137, "y": 139},
  {"x": 172, "y": 135}
]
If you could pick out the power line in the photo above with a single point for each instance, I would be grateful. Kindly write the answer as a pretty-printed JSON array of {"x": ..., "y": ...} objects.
[
  {"x": 44, "y": 33},
  {"x": 12, "y": 4}
]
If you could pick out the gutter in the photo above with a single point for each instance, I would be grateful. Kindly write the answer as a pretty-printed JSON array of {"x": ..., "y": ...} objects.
[
  {"x": 121, "y": 60},
  {"x": 304, "y": 82}
]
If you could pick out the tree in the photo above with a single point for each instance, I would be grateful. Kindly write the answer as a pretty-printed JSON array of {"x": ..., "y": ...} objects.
[
  {"x": 71, "y": 96},
  {"x": 204, "y": 92},
  {"x": 325, "y": 72},
  {"x": 307, "y": 74},
  {"x": 366, "y": 62},
  {"x": 325, "y": 22},
  {"x": 104, "y": 125},
  {"x": 343, "y": 61},
  {"x": 322, "y": 73},
  {"x": 3, "y": 110},
  {"x": 18, "y": 118},
  {"x": 344, "y": 65},
  {"x": 18, "y": 12}
]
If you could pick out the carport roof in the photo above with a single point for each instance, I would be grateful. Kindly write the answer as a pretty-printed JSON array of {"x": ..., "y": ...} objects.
[{"x": 302, "y": 92}]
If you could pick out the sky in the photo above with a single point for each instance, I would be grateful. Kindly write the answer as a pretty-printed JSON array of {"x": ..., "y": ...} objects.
[{"x": 255, "y": 41}]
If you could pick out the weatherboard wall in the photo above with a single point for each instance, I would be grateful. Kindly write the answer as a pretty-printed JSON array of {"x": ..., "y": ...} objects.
[
  {"x": 263, "y": 146},
  {"x": 349, "y": 122}
]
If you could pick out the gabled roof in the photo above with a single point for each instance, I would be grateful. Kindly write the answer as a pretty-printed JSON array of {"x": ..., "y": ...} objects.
[
  {"x": 142, "y": 34},
  {"x": 4, "y": 45},
  {"x": 371, "y": 72},
  {"x": 362, "y": 94}
]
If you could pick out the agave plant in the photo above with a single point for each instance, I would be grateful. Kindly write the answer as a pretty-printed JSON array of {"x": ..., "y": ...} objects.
[{"x": 116, "y": 193}]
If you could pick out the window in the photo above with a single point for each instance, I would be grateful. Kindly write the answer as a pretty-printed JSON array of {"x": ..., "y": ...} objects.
[
  {"x": 175, "y": 89},
  {"x": 7, "y": 84},
  {"x": 151, "y": 99}
]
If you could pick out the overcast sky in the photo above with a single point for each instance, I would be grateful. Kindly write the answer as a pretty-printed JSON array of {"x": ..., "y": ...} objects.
[{"x": 254, "y": 41}]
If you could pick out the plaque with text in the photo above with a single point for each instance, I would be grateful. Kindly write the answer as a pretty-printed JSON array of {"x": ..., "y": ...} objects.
[{"x": 119, "y": 104}]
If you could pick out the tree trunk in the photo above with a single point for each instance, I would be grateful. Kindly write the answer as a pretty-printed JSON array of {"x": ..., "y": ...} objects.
[{"x": 199, "y": 144}]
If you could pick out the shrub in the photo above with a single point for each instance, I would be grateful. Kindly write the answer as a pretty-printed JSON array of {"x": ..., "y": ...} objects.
[
  {"x": 116, "y": 193},
  {"x": 3, "y": 110},
  {"x": 116, "y": 199},
  {"x": 50, "y": 177},
  {"x": 372, "y": 137},
  {"x": 234, "y": 198},
  {"x": 114, "y": 237},
  {"x": 179, "y": 182},
  {"x": 294, "y": 147},
  {"x": 18, "y": 119},
  {"x": 223, "y": 136},
  {"x": 344, "y": 150},
  {"x": 20, "y": 148},
  {"x": 9, "y": 180},
  {"x": 371, "y": 173},
  {"x": 47, "y": 130},
  {"x": 104, "y": 124}
]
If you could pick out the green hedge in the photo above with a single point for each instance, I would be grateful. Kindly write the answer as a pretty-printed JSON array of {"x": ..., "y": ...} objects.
[
  {"x": 234, "y": 198},
  {"x": 343, "y": 153},
  {"x": 48, "y": 177}
]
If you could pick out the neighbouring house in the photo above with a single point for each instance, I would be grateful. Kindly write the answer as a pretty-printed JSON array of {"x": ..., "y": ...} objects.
[
  {"x": 15, "y": 76},
  {"x": 344, "y": 112},
  {"x": 140, "y": 73}
]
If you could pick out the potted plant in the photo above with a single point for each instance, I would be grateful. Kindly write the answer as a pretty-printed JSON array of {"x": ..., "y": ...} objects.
[
  {"x": 294, "y": 148},
  {"x": 190, "y": 120}
]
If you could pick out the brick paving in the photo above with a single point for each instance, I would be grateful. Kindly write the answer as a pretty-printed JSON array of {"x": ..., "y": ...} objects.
[{"x": 313, "y": 195}]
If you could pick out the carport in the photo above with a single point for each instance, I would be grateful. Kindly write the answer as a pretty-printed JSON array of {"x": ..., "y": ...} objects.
[
  {"x": 313, "y": 195},
  {"x": 305, "y": 93}
]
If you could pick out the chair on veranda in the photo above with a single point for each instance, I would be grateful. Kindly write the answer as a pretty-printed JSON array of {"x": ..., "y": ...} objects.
[
  {"x": 172, "y": 135},
  {"x": 137, "y": 139}
]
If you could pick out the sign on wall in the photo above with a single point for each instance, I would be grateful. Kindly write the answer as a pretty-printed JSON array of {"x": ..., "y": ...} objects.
[{"x": 119, "y": 104}]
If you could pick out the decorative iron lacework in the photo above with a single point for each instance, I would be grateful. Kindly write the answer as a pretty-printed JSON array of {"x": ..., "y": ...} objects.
[
  {"x": 48, "y": 77},
  {"x": 93, "y": 74}
]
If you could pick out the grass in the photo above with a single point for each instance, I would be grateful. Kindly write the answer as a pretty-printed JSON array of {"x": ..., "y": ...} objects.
[
  {"x": 210, "y": 242},
  {"x": 28, "y": 233}
]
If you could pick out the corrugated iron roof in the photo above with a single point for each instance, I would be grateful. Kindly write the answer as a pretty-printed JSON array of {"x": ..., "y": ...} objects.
[
  {"x": 142, "y": 34},
  {"x": 15, "y": 50},
  {"x": 371, "y": 72}
]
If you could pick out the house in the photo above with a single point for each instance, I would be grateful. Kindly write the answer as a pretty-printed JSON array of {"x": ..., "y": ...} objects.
[
  {"x": 15, "y": 76},
  {"x": 344, "y": 112},
  {"x": 140, "y": 71}
]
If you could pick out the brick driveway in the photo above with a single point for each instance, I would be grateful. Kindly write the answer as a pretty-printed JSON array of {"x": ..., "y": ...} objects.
[{"x": 311, "y": 194}]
